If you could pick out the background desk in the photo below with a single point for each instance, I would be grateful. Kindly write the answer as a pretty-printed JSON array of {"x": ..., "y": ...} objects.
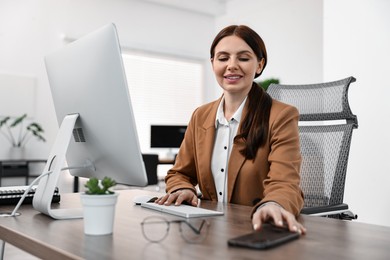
[
  {"x": 18, "y": 168},
  {"x": 64, "y": 239}
]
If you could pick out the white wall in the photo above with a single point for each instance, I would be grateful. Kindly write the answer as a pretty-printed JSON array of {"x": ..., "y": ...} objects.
[
  {"x": 292, "y": 32},
  {"x": 356, "y": 43},
  {"x": 313, "y": 41},
  {"x": 308, "y": 41},
  {"x": 30, "y": 29}
]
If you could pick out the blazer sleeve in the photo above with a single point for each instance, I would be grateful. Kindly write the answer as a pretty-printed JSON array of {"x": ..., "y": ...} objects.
[
  {"x": 183, "y": 173},
  {"x": 282, "y": 182}
]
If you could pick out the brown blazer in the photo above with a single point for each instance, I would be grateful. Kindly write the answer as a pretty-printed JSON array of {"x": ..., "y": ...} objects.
[{"x": 272, "y": 176}]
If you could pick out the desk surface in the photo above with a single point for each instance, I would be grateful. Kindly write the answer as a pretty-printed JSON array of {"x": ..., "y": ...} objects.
[{"x": 65, "y": 239}]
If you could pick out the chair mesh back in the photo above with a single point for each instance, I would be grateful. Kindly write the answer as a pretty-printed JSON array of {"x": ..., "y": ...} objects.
[
  {"x": 324, "y": 146},
  {"x": 317, "y": 102},
  {"x": 325, "y": 151}
]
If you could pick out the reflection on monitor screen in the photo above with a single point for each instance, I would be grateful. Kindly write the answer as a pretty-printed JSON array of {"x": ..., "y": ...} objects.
[{"x": 97, "y": 133}]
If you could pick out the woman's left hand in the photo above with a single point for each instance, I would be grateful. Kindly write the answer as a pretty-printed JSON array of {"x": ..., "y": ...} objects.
[{"x": 279, "y": 216}]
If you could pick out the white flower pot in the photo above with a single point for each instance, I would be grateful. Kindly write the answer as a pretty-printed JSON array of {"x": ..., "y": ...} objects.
[
  {"x": 17, "y": 153},
  {"x": 99, "y": 213}
]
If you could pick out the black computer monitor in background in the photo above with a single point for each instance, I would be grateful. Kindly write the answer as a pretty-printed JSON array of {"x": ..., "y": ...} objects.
[
  {"x": 97, "y": 134},
  {"x": 166, "y": 136}
]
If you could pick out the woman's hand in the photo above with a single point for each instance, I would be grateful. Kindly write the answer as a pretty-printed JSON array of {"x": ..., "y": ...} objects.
[
  {"x": 178, "y": 197},
  {"x": 279, "y": 216}
]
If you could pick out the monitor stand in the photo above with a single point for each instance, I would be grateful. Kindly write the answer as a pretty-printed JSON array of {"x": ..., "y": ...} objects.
[{"x": 44, "y": 192}]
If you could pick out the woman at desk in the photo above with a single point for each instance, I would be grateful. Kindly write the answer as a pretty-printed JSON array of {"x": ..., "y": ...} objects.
[{"x": 244, "y": 147}]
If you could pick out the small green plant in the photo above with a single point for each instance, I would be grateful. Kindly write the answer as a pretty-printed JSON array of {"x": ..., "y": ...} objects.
[
  {"x": 19, "y": 137},
  {"x": 265, "y": 83},
  {"x": 94, "y": 187}
]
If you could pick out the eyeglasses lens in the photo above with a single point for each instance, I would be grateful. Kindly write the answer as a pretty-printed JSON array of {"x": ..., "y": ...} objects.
[
  {"x": 155, "y": 229},
  {"x": 197, "y": 233}
]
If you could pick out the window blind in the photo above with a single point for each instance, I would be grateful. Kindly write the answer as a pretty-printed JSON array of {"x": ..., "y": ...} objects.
[{"x": 163, "y": 90}]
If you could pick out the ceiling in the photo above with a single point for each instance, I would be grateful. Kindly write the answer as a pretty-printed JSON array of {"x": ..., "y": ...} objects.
[{"x": 208, "y": 7}]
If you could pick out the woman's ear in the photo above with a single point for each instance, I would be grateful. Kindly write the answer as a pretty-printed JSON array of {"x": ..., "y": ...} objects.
[{"x": 260, "y": 66}]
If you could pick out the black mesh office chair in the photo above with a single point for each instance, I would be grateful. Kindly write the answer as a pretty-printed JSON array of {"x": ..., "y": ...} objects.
[{"x": 325, "y": 127}]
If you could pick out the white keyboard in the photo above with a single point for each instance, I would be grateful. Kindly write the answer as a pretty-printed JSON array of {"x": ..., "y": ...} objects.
[{"x": 185, "y": 211}]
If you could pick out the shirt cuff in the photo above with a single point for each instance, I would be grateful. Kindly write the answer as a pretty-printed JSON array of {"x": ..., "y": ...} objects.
[{"x": 268, "y": 203}]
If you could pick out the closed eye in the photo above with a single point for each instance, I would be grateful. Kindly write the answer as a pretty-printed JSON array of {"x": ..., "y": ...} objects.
[{"x": 222, "y": 59}]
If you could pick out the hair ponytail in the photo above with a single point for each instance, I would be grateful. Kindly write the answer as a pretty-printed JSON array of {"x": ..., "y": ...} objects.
[{"x": 254, "y": 128}]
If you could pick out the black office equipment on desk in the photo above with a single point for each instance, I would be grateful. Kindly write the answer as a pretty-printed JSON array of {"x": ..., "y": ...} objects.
[
  {"x": 269, "y": 236},
  {"x": 11, "y": 195},
  {"x": 166, "y": 136}
]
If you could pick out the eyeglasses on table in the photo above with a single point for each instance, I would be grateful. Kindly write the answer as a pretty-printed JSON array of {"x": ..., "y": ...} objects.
[{"x": 156, "y": 228}]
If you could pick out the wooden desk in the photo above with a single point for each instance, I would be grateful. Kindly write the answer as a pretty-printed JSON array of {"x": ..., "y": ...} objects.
[{"x": 64, "y": 239}]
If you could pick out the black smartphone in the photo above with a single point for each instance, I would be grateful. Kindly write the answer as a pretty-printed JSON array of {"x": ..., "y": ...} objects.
[{"x": 269, "y": 236}]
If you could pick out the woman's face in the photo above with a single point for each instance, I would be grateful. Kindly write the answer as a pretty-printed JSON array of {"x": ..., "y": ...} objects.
[{"x": 235, "y": 65}]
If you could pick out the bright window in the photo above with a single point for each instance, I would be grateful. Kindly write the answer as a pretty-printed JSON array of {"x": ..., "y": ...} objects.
[{"x": 163, "y": 90}]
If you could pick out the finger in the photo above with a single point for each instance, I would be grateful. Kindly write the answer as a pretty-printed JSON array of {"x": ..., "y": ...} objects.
[
  {"x": 303, "y": 229},
  {"x": 194, "y": 201},
  {"x": 180, "y": 198},
  {"x": 186, "y": 196},
  {"x": 257, "y": 220},
  {"x": 292, "y": 223},
  {"x": 171, "y": 198},
  {"x": 162, "y": 199},
  {"x": 276, "y": 216},
  {"x": 272, "y": 212},
  {"x": 295, "y": 226},
  {"x": 290, "y": 220}
]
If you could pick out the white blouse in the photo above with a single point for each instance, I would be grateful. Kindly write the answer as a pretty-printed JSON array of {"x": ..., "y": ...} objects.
[{"x": 224, "y": 136}]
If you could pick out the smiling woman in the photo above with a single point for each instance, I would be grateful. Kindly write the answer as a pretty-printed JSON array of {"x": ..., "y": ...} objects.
[{"x": 242, "y": 148}]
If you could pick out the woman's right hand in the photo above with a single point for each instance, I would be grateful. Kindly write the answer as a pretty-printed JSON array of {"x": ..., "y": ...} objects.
[{"x": 178, "y": 197}]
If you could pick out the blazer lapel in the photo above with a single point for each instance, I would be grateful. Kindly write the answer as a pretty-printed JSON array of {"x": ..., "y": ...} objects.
[
  {"x": 236, "y": 161},
  {"x": 205, "y": 142}
]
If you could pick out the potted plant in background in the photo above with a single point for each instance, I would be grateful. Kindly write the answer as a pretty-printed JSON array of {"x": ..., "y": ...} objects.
[
  {"x": 18, "y": 133},
  {"x": 99, "y": 206},
  {"x": 266, "y": 82}
]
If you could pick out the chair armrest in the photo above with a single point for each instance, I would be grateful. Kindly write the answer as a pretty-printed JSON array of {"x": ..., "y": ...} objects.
[{"x": 325, "y": 210}]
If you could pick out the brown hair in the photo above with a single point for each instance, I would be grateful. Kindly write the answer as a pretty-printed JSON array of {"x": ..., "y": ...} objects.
[{"x": 254, "y": 127}]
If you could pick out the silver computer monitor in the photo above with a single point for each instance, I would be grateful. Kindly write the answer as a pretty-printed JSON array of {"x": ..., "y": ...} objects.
[{"x": 88, "y": 82}]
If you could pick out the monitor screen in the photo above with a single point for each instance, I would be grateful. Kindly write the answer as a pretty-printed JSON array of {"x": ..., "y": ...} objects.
[
  {"x": 166, "y": 136},
  {"x": 87, "y": 79}
]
